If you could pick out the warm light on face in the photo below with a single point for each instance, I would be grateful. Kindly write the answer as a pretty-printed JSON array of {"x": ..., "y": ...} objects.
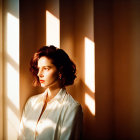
[
  {"x": 52, "y": 30},
  {"x": 90, "y": 73},
  {"x": 90, "y": 102},
  {"x": 48, "y": 74}
]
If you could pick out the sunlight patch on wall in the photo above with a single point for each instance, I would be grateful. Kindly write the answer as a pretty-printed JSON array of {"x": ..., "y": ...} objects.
[
  {"x": 12, "y": 124},
  {"x": 52, "y": 30},
  {"x": 90, "y": 73},
  {"x": 11, "y": 78},
  {"x": 12, "y": 88},
  {"x": 90, "y": 102},
  {"x": 90, "y": 64},
  {"x": 13, "y": 37},
  {"x": 12, "y": 50}
]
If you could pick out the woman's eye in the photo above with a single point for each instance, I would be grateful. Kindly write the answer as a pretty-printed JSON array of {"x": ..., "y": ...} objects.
[{"x": 46, "y": 68}]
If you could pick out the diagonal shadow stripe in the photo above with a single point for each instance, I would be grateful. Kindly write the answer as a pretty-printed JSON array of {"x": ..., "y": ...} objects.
[{"x": 10, "y": 60}]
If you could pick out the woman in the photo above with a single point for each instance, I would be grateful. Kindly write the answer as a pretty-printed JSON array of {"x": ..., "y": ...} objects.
[{"x": 54, "y": 114}]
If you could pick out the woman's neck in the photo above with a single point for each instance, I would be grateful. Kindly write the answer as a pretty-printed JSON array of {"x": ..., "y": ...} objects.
[{"x": 52, "y": 91}]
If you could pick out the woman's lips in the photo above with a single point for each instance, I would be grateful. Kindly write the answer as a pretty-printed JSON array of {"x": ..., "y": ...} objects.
[{"x": 42, "y": 81}]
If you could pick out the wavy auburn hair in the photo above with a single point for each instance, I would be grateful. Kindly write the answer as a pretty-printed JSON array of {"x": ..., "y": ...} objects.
[{"x": 60, "y": 59}]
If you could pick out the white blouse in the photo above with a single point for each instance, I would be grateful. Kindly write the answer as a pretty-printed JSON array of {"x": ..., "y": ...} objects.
[{"x": 61, "y": 120}]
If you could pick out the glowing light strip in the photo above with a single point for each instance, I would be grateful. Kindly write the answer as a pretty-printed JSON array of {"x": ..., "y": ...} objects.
[
  {"x": 12, "y": 77},
  {"x": 12, "y": 51},
  {"x": 52, "y": 30},
  {"x": 90, "y": 64},
  {"x": 90, "y": 102},
  {"x": 90, "y": 74}
]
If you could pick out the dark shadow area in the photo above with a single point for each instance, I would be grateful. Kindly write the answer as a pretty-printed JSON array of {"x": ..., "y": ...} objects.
[
  {"x": 103, "y": 36},
  {"x": 89, "y": 121},
  {"x": 76, "y": 24},
  {"x": 32, "y": 37}
]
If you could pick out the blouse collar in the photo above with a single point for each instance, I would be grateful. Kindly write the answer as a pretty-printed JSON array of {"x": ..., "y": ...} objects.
[{"x": 58, "y": 97}]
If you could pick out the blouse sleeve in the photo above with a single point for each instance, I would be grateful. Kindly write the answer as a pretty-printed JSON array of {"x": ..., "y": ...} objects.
[
  {"x": 21, "y": 127},
  {"x": 72, "y": 124}
]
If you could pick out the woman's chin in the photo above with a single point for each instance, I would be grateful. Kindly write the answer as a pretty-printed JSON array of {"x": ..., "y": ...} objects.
[{"x": 43, "y": 85}]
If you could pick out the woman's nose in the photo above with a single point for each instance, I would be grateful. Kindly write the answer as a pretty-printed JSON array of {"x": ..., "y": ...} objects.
[{"x": 40, "y": 74}]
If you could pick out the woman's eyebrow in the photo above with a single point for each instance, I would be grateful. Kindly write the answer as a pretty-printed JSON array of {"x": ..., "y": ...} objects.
[
  {"x": 45, "y": 67},
  {"x": 48, "y": 66}
]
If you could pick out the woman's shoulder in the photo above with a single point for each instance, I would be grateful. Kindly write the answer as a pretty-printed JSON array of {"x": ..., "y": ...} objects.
[
  {"x": 69, "y": 101},
  {"x": 71, "y": 107},
  {"x": 33, "y": 99}
]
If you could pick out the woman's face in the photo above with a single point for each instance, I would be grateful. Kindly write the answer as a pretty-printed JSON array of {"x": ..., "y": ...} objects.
[{"x": 47, "y": 72}]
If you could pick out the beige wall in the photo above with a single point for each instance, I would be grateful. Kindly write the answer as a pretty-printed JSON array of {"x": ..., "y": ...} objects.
[
  {"x": 126, "y": 69},
  {"x": 117, "y": 52},
  {"x": 103, "y": 32},
  {"x": 123, "y": 73},
  {"x": 136, "y": 67},
  {"x": 76, "y": 23},
  {"x": 114, "y": 28},
  {"x": 32, "y": 37}
]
